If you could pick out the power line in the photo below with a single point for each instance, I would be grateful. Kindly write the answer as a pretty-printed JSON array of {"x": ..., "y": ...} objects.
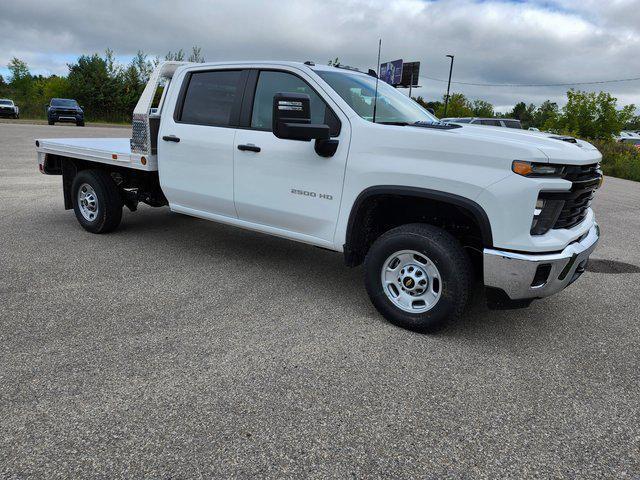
[{"x": 569, "y": 84}]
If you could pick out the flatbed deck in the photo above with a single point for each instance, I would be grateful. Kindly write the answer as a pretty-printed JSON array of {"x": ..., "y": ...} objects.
[{"x": 111, "y": 151}]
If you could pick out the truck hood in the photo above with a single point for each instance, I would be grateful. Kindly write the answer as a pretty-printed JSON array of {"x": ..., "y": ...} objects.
[{"x": 557, "y": 148}]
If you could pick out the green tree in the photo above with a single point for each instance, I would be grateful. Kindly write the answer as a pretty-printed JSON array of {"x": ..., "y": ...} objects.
[
  {"x": 482, "y": 108},
  {"x": 21, "y": 81},
  {"x": 92, "y": 86},
  {"x": 592, "y": 115},
  {"x": 633, "y": 124},
  {"x": 196, "y": 55},
  {"x": 524, "y": 113},
  {"x": 175, "y": 56},
  {"x": 55, "y": 87},
  {"x": 459, "y": 106},
  {"x": 546, "y": 114}
]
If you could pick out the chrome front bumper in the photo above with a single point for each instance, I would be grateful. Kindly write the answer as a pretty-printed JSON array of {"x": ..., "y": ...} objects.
[{"x": 523, "y": 275}]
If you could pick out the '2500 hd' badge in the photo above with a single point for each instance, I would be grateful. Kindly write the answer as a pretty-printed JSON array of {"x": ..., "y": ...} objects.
[{"x": 305, "y": 193}]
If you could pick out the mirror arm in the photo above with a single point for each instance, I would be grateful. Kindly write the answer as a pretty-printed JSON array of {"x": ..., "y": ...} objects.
[{"x": 326, "y": 147}]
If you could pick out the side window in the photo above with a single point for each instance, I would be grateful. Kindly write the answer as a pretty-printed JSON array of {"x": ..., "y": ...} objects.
[
  {"x": 210, "y": 98},
  {"x": 493, "y": 123},
  {"x": 270, "y": 83},
  {"x": 512, "y": 124}
]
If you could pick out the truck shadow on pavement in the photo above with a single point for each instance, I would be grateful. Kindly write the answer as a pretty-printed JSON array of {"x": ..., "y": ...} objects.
[
  {"x": 614, "y": 267},
  {"x": 320, "y": 275}
]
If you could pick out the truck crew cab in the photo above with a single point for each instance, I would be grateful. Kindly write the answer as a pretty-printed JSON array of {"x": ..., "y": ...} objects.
[{"x": 336, "y": 159}]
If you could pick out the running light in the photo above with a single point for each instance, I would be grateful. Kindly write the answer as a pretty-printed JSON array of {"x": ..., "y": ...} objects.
[{"x": 531, "y": 169}]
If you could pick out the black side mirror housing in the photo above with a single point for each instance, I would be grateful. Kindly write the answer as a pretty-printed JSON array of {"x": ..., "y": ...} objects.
[
  {"x": 431, "y": 111},
  {"x": 292, "y": 118}
]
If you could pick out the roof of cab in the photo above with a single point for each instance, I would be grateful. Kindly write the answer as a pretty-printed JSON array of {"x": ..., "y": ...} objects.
[{"x": 281, "y": 63}]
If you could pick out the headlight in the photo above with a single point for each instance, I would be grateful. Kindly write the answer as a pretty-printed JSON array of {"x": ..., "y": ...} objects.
[{"x": 531, "y": 169}]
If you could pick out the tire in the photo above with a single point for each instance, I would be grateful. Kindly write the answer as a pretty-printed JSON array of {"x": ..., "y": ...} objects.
[
  {"x": 51, "y": 122},
  {"x": 102, "y": 201},
  {"x": 79, "y": 124},
  {"x": 426, "y": 254}
]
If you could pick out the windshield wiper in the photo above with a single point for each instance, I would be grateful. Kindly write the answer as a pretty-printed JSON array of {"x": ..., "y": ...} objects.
[{"x": 400, "y": 124}]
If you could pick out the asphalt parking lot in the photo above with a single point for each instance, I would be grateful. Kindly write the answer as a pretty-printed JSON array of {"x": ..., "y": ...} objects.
[{"x": 177, "y": 347}]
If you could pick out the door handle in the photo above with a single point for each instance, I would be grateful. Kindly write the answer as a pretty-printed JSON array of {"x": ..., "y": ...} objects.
[
  {"x": 171, "y": 138},
  {"x": 248, "y": 148}
]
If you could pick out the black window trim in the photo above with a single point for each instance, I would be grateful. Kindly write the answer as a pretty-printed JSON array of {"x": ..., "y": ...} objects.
[
  {"x": 250, "y": 93},
  {"x": 234, "y": 116}
]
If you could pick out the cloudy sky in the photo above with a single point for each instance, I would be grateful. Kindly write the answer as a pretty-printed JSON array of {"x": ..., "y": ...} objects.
[{"x": 494, "y": 42}]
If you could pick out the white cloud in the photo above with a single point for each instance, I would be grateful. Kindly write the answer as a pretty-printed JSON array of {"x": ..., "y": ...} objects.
[{"x": 494, "y": 41}]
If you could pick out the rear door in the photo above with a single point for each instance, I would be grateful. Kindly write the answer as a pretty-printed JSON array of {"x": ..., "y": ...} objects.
[
  {"x": 286, "y": 184},
  {"x": 196, "y": 142}
]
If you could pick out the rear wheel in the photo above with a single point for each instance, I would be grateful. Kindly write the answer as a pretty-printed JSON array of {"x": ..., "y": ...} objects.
[
  {"x": 51, "y": 122},
  {"x": 80, "y": 123},
  {"x": 418, "y": 277},
  {"x": 96, "y": 201}
]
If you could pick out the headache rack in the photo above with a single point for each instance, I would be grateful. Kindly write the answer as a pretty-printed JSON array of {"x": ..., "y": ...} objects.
[{"x": 146, "y": 120}]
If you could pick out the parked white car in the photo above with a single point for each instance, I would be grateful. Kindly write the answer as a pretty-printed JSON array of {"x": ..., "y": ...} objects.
[
  {"x": 310, "y": 153},
  {"x": 8, "y": 108},
  {"x": 489, "y": 122}
]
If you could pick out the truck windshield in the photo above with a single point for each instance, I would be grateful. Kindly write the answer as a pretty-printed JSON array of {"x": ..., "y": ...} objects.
[
  {"x": 63, "y": 102},
  {"x": 6, "y": 102},
  {"x": 358, "y": 90}
]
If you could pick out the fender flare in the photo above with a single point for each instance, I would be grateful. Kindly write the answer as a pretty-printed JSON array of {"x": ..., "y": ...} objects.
[{"x": 476, "y": 211}]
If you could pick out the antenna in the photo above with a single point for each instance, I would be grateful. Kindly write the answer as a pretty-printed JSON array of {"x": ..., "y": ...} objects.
[{"x": 375, "y": 98}]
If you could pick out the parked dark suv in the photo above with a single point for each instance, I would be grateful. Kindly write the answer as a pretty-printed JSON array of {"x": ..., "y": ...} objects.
[{"x": 65, "y": 110}]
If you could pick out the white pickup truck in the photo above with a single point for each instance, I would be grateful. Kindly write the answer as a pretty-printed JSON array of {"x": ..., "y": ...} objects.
[{"x": 333, "y": 158}]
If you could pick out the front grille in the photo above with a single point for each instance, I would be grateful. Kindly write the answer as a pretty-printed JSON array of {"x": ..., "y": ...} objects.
[
  {"x": 582, "y": 173},
  {"x": 585, "y": 179}
]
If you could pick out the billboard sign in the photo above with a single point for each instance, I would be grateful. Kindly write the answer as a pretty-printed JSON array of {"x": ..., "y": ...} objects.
[
  {"x": 391, "y": 72},
  {"x": 410, "y": 73}
]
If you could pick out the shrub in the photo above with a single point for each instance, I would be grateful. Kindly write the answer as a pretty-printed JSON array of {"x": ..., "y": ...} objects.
[{"x": 619, "y": 159}]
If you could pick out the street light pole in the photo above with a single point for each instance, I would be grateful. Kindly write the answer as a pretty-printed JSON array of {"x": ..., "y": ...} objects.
[{"x": 446, "y": 99}]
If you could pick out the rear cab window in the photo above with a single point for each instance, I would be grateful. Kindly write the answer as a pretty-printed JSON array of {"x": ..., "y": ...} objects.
[{"x": 211, "y": 98}]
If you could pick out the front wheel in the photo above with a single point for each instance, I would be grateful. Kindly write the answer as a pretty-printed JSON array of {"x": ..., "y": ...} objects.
[
  {"x": 96, "y": 201},
  {"x": 418, "y": 277},
  {"x": 80, "y": 123}
]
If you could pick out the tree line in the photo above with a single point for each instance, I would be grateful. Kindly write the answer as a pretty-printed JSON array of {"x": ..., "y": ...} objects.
[
  {"x": 586, "y": 114},
  {"x": 109, "y": 91},
  {"x": 106, "y": 89}
]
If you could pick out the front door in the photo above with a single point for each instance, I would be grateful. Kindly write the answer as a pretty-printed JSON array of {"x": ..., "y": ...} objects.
[
  {"x": 196, "y": 143},
  {"x": 286, "y": 184}
]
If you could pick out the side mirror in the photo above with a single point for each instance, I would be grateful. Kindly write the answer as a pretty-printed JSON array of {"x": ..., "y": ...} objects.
[
  {"x": 431, "y": 111},
  {"x": 292, "y": 118}
]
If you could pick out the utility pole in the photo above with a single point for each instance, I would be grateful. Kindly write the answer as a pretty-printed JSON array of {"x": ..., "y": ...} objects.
[{"x": 446, "y": 99}]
